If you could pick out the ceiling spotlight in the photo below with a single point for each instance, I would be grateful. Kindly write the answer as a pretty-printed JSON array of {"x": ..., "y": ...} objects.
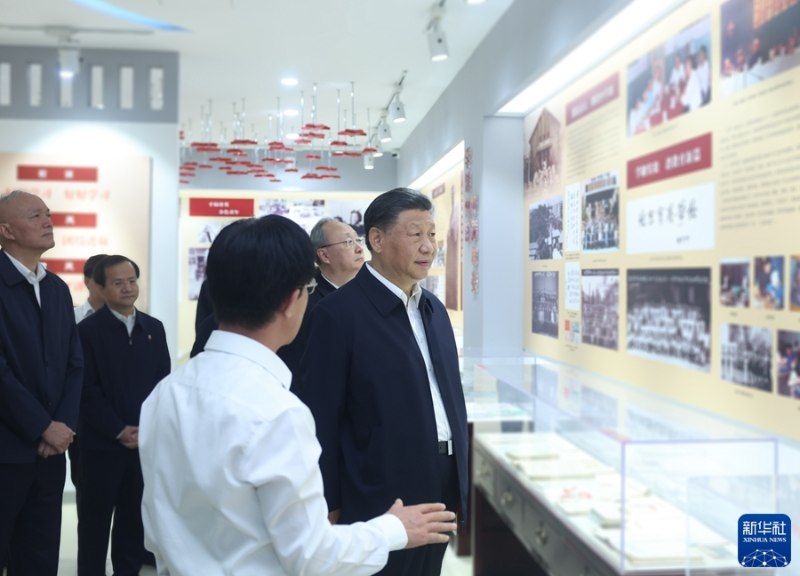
[
  {"x": 69, "y": 62},
  {"x": 437, "y": 42},
  {"x": 288, "y": 81},
  {"x": 384, "y": 132},
  {"x": 474, "y": 1},
  {"x": 369, "y": 162},
  {"x": 397, "y": 112}
]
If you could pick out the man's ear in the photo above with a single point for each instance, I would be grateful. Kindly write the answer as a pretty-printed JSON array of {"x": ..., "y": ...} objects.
[
  {"x": 322, "y": 254},
  {"x": 376, "y": 236},
  {"x": 5, "y": 231},
  {"x": 290, "y": 305}
]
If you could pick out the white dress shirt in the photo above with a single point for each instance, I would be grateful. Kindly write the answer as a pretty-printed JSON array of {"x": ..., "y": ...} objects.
[
  {"x": 32, "y": 277},
  {"x": 83, "y": 311},
  {"x": 232, "y": 482},
  {"x": 411, "y": 305}
]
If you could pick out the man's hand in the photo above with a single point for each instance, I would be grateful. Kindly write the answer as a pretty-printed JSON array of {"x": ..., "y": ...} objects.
[
  {"x": 333, "y": 516},
  {"x": 425, "y": 523},
  {"x": 59, "y": 436},
  {"x": 45, "y": 450},
  {"x": 129, "y": 437}
]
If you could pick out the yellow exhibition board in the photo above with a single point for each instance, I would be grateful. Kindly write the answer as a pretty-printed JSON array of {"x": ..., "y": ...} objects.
[{"x": 662, "y": 203}]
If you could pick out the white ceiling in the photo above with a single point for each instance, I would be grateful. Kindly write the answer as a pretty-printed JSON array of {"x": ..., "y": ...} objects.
[{"x": 240, "y": 49}]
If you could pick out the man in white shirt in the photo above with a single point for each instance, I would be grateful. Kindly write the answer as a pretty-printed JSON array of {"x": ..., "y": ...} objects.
[
  {"x": 229, "y": 455},
  {"x": 95, "y": 300}
]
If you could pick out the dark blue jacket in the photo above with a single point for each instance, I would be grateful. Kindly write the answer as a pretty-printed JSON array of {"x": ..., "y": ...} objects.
[
  {"x": 365, "y": 381},
  {"x": 121, "y": 371},
  {"x": 41, "y": 366}
]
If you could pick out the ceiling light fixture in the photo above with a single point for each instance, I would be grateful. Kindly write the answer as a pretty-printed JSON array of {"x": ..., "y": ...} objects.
[
  {"x": 69, "y": 61},
  {"x": 289, "y": 81},
  {"x": 437, "y": 42},
  {"x": 397, "y": 111},
  {"x": 384, "y": 132}
]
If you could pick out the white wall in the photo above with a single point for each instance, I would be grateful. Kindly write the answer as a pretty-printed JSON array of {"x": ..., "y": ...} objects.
[{"x": 156, "y": 141}]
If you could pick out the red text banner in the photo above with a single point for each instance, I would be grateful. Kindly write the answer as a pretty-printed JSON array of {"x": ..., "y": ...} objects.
[
  {"x": 222, "y": 207},
  {"x": 682, "y": 158}
]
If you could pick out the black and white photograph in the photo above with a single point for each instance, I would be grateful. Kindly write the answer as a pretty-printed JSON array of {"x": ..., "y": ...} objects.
[
  {"x": 668, "y": 316},
  {"x": 745, "y": 355},
  {"x": 789, "y": 363},
  {"x": 545, "y": 227},
  {"x": 545, "y": 303},
  {"x": 197, "y": 271},
  {"x": 600, "y": 307},
  {"x": 543, "y": 146},
  {"x": 768, "y": 285},
  {"x": 734, "y": 283},
  {"x": 601, "y": 213}
]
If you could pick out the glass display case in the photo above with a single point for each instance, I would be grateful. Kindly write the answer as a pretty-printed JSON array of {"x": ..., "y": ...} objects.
[{"x": 604, "y": 478}]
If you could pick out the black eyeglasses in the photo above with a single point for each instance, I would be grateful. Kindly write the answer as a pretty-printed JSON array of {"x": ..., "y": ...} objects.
[
  {"x": 311, "y": 286},
  {"x": 349, "y": 243}
]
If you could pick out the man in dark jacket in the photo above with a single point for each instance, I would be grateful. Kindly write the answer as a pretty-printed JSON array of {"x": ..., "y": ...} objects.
[
  {"x": 126, "y": 356},
  {"x": 380, "y": 375},
  {"x": 40, "y": 385}
]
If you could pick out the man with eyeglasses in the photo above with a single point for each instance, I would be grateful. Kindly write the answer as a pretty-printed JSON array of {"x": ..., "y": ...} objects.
[
  {"x": 125, "y": 356},
  {"x": 380, "y": 375},
  {"x": 339, "y": 254},
  {"x": 230, "y": 460}
]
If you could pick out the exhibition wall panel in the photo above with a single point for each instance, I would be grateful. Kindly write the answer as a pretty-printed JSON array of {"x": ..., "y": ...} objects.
[{"x": 661, "y": 201}]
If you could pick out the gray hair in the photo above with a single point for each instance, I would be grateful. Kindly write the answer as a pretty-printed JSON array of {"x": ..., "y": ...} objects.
[{"x": 318, "y": 239}]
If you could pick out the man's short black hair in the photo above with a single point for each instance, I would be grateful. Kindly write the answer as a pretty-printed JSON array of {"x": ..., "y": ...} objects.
[
  {"x": 382, "y": 213},
  {"x": 91, "y": 263},
  {"x": 99, "y": 273},
  {"x": 254, "y": 265}
]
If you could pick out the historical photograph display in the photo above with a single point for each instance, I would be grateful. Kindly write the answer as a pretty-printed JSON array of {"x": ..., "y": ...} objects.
[
  {"x": 760, "y": 39},
  {"x": 543, "y": 159},
  {"x": 545, "y": 303},
  {"x": 745, "y": 355},
  {"x": 794, "y": 282},
  {"x": 734, "y": 283},
  {"x": 789, "y": 363},
  {"x": 768, "y": 286},
  {"x": 545, "y": 225},
  {"x": 668, "y": 315},
  {"x": 670, "y": 80},
  {"x": 601, "y": 213},
  {"x": 600, "y": 307},
  {"x": 197, "y": 270}
]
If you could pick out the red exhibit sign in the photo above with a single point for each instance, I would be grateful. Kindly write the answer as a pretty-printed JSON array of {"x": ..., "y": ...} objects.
[
  {"x": 597, "y": 97},
  {"x": 682, "y": 158},
  {"x": 223, "y": 207},
  {"x": 56, "y": 173},
  {"x": 64, "y": 265},
  {"x": 74, "y": 219}
]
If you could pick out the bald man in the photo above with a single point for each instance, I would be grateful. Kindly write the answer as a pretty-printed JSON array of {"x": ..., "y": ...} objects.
[{"x": 41, "y": 370}]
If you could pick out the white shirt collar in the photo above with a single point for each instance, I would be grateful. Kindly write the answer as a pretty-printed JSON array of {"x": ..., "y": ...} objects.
[
  {"x": 31, "y": 277},
  {"x": 249, "y": 349},
  {"x": 416, "y": 292}
]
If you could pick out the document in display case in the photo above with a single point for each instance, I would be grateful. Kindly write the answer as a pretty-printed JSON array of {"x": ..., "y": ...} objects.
[{"x": 608, "y": 479}]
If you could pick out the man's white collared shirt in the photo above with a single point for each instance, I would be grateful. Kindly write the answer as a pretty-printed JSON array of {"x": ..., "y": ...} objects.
[
  {"x": 232, "y": 482},
  {"x": 32, "y": 277},
  {"x": 411, "y": 305}
]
